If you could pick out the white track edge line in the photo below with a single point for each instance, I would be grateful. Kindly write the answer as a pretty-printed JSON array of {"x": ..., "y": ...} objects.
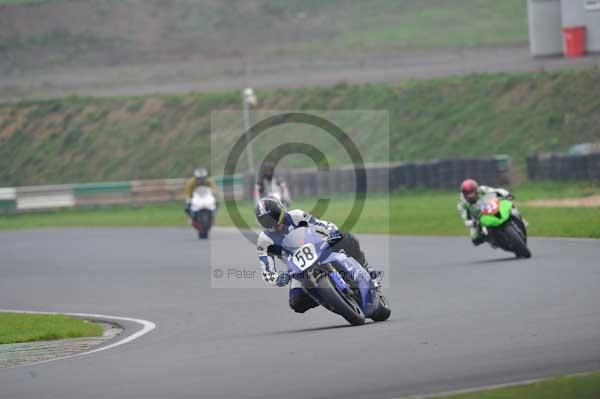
[{"x": 147, "y": 326}]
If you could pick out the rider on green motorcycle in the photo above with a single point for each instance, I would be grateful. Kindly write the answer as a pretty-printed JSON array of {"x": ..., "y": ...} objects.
[{"x": 469, "y": 206}]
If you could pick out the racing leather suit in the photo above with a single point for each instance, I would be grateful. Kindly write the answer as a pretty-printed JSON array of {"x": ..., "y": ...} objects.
[
  {"x": 273, "y": 185},
  {"x": 269, "y": 247},
  {"x": 470, "y": 212},
  {"x": 192, "y": 183}
]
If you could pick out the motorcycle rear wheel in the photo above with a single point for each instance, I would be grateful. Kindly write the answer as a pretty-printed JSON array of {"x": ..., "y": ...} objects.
[
  {"x": 384, "y": 311},
  {"x": 203, "y": 219}
]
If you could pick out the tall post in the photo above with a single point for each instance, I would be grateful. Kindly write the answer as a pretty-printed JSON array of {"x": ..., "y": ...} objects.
[
  {"x": 248, "y": 98},
  {"x": 249, "y": 154}
]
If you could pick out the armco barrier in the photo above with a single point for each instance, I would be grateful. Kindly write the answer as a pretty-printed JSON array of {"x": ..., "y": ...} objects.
[
  {"x": 235, "y": 182},
  {"x": 42, "y": 197},
  {"x": 563, "y": 167},
  {"x": 153, "y": 191},
  {"x": 136, "y": 192},
  {"x": 102, "y": 194}
]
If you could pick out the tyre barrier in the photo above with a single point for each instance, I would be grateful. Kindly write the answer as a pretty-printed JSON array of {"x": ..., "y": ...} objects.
[
  {"x": 384, "y": 178},
  {"x": 563, "y": 167}
]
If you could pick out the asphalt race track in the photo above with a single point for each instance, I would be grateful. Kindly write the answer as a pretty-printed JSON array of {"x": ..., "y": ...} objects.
[{"x": 462, "y": 317}]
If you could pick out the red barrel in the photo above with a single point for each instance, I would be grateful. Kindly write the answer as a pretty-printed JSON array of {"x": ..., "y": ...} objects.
[{"x": 574, "y": 40}]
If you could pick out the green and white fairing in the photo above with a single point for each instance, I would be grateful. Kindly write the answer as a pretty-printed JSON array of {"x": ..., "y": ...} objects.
[{"x": 494, "y": 211}]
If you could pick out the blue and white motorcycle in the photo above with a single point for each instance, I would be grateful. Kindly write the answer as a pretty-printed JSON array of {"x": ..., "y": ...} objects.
[{"x": 335, "y": 281}]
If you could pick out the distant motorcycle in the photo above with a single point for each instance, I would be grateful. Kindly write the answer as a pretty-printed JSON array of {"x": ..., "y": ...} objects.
[
  {"x": 276, "y": 189},
  {"x": 503, "y": 225},
  {"x": 202, "y": 210},
  {"x": 335, "y": 281},
  {"x": 279, "y": 195}
]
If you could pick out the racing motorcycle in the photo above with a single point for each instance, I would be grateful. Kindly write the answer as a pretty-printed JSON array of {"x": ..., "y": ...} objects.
[
  {"x": 335, "y": 281},
  {"x": 202, "y": 210},
  {"x": 503, "y": 225},
  {"x": 281, "y": 197},
  {"x": 276, "y": 190}
]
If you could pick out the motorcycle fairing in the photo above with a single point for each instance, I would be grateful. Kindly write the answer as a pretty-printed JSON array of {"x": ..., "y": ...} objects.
[{"x": 500, "y": 217}]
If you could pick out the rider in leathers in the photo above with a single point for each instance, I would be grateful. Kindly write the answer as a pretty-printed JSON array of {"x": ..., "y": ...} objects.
[
  {"x": 469, "y": 206},
  {"x": 269, "y": 184},
  {"x": 276, "y": 224},
  {"x": 200, "y": 178}
]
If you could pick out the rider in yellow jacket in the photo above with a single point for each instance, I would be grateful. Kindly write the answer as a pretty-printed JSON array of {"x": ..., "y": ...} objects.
[{"x": 200, "y": 178}]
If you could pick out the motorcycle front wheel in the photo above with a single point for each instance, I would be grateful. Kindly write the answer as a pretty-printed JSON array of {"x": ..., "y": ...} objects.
[
  {"x": 339, "y": 302},
  {"x": 516, "y": 240}
]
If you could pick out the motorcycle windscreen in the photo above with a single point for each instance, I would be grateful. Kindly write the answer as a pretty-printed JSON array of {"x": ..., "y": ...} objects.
[
  {"x": 303, "y": 247},
  {"x": 294, "y": 240}
]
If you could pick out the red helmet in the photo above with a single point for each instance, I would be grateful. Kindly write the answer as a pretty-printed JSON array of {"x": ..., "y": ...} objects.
[{"x": 468, "y": 188}]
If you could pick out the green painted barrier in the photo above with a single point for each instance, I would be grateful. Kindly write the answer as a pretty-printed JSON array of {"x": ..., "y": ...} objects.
[
  {"x": 90, "y": 189},
  {"x": 7, "y": 205},
  {"x": 229, "y": 180},
  {"x": 502, "y": 163}
]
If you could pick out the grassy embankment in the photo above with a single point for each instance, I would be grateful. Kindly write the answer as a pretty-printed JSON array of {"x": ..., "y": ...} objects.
[
  {"x": 19, "y": 327},
  {"x": 86, "y": 139},
  {"x": 406, "y": 212}
]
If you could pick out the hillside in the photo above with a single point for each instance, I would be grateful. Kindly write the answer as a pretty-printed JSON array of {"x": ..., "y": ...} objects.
[
  {"x": 45, "y": 34},
  {"x": 87, "y": 139}
]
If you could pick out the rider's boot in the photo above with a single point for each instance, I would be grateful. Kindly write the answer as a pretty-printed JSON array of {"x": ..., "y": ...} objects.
[
  {"x": 478, "y": 240},
  {"x": 374, "y": 273}
]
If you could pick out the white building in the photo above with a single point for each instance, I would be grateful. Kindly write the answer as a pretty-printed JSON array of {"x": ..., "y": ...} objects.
[{"x": 548, "y": 17}]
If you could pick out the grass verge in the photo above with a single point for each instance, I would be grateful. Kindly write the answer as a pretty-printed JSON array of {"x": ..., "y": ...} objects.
[
  {"x": 411, "y": 212},
  {"x": 586, "y": 386},
  {"x": 19, "y": 327}
]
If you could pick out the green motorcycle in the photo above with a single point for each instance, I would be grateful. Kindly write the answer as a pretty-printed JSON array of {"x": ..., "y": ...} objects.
[{"x": 503, "y": 225}]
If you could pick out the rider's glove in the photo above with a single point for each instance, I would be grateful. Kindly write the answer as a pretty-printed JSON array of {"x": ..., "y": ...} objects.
[
  {"x": 283, "y": 279},
  {"x": 269, "y": 276},
  {"x": 335, "y": 234},
  {"x": 469, "y": 223},
  {"x": 273, "y": 278}
]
